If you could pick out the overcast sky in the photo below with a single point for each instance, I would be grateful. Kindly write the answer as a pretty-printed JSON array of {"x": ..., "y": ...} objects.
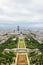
[{"x": 22, "y": 12}]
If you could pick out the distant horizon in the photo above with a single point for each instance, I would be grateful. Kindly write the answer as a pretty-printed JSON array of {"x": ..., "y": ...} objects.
[{"x": 25, "y": 26}]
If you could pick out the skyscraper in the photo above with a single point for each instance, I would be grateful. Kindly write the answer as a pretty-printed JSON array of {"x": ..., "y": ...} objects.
[{"x": 18, "y": 28}]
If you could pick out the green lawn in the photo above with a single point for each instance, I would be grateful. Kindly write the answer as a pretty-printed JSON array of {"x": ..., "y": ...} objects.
[
  {"x": 21, "y": 44},
  {"x": 33, "y": 44},
  {"x": 9, "y": 44}
]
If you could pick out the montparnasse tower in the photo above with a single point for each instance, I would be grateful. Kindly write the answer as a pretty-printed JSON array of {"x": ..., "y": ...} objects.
[{"x": 18, "y": 28}]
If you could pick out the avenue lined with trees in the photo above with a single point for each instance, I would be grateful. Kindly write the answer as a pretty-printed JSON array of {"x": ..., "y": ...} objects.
[
  {"x": 8, "y": 57},
  {"x": 36, "y": 58}
]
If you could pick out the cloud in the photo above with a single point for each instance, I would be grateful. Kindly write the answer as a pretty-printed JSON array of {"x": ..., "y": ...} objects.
[{"x": 27, "y": 11}]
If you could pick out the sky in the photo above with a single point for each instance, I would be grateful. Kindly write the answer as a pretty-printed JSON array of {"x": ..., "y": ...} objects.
[{"x": 25, "y": 13}]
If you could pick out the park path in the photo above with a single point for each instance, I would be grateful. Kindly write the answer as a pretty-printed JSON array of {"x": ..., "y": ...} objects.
[{"x": 22, "y": 58}]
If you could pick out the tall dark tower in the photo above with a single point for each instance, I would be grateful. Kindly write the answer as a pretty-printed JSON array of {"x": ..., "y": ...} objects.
[{"x": 18, "y": 28}]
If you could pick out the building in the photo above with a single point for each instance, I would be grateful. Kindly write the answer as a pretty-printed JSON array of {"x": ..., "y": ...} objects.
[{"x": 18, "y": 28}]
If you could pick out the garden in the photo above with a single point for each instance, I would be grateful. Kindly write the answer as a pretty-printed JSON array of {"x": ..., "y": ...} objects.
[{"x": 33, "y": 44}]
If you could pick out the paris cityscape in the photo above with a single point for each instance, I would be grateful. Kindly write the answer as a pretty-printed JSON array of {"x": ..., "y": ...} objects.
[{"x": 21, "y": 32}]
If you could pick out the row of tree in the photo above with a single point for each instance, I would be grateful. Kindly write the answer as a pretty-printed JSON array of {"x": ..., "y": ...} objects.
[
  {"x": 9, "y": 44},
  {"x": 36, "y": 58},
  {"x": 7, "y": 58},
  {"x": 32, "y": 44}
]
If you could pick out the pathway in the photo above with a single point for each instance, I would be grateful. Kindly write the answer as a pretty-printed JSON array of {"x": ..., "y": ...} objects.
[{"x": 22, "y": 58}]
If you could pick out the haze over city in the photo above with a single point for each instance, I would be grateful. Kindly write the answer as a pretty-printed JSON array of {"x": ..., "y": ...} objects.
[{"x": 28, "y": 14}]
